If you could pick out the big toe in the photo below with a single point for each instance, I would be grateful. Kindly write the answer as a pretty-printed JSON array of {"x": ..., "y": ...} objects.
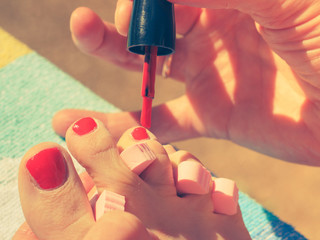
[{"x": 52, "y": 196}]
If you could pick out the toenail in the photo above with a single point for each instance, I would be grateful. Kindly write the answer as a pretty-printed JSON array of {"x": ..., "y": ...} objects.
[
  {"x": 140, "y": 133},
  {"x": 138, "y": 157},
  {"x": 48, "y": 168},
  {"x": 84, "y": 126}
]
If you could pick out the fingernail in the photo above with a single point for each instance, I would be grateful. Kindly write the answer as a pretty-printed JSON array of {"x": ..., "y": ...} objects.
[
  {"x": 84, "y": 126},
  {"x": 140, "y": 133},
  {"x": 48, "y": 168}
]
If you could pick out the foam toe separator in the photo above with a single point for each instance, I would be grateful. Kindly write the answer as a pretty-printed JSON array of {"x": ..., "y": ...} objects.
[
  {"x": 192, "y": 178},
  {"x": 138, "y": 157},
  {"x": 109, "y": 201},
  {"x": 225, "y": 196},
  {"x": 93, "y": 197}
]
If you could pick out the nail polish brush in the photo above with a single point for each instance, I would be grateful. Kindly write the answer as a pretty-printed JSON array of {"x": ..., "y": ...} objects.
[{"x": 151, "y": 33}]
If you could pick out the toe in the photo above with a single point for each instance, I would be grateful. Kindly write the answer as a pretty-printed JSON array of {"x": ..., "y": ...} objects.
[
  {"x": 92, "y": 145},
  {"x": 159, "y": 172},
  {"x": 52, "y": 196},
  {"x": 116, "y": 122},
  {"x": 190, "y": 176}
]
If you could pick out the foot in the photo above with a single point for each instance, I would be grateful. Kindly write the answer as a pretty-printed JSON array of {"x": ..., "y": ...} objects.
[{"x": 56, "y": 206}]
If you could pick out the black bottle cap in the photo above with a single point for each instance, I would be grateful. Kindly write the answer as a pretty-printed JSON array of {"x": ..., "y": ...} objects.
[{"x": 152, "y": 24}]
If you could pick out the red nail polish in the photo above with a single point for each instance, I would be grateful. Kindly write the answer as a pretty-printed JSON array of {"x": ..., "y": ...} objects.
[
  {"x": 140, "y": 133},
  {"x": 84, "y": 126},
  {"x": 48, "y": 168}
]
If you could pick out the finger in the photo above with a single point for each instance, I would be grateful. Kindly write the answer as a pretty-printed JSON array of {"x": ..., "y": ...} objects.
[
  {"x": 172, "y": 121},
  {"x": 169, "y": 121},
  {"x": 185, "y": 17},
  {"x": 93, "y": 36},
  {"x": 101, "y": 39},
  {"x": 246, "y": 6},
  {"x": 122, "y": 16}
]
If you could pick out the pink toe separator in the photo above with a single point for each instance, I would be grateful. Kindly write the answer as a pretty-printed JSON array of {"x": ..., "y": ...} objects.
[
  {"x": 225, "y": 196},
  {"x": 93, "y": 196},
  {"x": 109, "y": 201},
  {"x": 138, "y": 157},
  {"x": 192, "y": 178}
]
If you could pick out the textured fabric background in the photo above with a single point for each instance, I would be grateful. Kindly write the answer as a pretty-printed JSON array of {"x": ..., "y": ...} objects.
[{"x": 31, "y": 91}]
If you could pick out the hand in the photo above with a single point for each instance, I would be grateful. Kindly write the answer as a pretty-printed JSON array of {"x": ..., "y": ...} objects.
[{"x": 250, "y": 70}]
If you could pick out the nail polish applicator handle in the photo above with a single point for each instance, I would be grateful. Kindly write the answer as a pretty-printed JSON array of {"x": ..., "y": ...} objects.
[{"x": 151, "y": 33}]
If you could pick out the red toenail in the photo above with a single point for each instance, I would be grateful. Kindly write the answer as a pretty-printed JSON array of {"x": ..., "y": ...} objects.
[
  {"x": 84, "y": 126},
  {"x": 48, "y": 168},
  {"x": 140, "y": 133}
]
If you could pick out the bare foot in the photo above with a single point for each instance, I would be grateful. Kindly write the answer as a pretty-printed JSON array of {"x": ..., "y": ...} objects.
[{"x": 56, "y": 206}]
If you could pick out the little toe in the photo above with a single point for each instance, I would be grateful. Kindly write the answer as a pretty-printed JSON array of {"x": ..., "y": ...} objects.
[
  {"x": 145, "y": 146},
  {"x": 52, "y": 196}
]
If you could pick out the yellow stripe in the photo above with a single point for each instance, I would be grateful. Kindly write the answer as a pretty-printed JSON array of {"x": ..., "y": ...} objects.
[{"x": 10, "y": 48}]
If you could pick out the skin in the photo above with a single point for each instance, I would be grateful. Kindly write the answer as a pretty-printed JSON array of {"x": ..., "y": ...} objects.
[
  {"x": 65, "y": 212},
  {"x": 251, "y": 72},
  {"x": 256, "y": 82}
]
